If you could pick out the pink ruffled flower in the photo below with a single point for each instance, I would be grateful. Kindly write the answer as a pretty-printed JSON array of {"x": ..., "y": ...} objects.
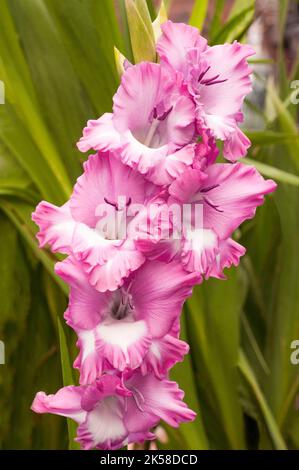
[
  {"x": 134, "y": 325},
  {"x": 152, "y": 126},
  {"x": 113, "y": 412},
  {"x": 134, "y": 254},
  {"x": 227, "y": 196},
  {"x": 82, "y": 228},
  {"x": 217, "y": 77}
]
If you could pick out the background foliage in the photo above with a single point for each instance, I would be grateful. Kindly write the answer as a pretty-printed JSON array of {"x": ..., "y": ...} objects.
[{"x": 57, "y": 63}]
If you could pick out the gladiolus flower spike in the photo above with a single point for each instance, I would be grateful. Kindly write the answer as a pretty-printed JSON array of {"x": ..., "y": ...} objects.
[{"x": 152, "y": 215}]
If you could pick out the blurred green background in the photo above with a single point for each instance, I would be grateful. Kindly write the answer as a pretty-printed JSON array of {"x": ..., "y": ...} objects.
[{"x": 57, "y": 65}]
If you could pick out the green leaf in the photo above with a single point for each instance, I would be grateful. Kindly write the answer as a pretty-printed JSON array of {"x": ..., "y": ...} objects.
[
  {"x": 160, "y": 19},
  {"x": 272, "y": 172},
  {"x": 193, "y": 434},
  {"x": 67, "y": 376},
  {"x": 141, "y": 31},
  {"x": 235, "y": 26},
  {"x": 213, "y": 334},
  {"x": 269, "y": 420},
  {"x": 19, "y": 214},
  {"x": 286, "y": 122},
  {"x": 24, "y": 99},
  {"x": 89, "y": 33},
  {"x": 271, "y": 137},
  {"x": 119, "y": 61},
  {"x": 199, "y": 12},
  {"x": 217, "y": 19}
]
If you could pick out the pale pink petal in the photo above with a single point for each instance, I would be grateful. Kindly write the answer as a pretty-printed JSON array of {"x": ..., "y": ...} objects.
[
  {"x": 131, "y": 97},
  {"x": 90, "y": 246},
  {"x": 66, "y": 402},
  {"x": 86, "y": 305},
  {"x": 159, "y": 291},
  {"x": 105, "y": 178},
  {"x": 236, "y": 145},
  {"x": 104, "y": 426},
  {"x": 100, "y": 134},
  {"x": 104, "y": 342},
  {"x": 110, "y": 276},
  {"x": 139, "y": 156},
  {"x": 161, "y": 398},
  {"x": 228, "y": 62},
  {"x": 187, "y": 186},
  {"x": 224, "y": 196},
  {"x": 221, "y": 126},
  {"x": 237, "y": 191},
  {"x": 163, "y": 250},
  {"x": 199, "y": 250},
  {"x": 176, "y": 40},
  {"x": 123, "y": 343},
  {"x": 163, "y": 354},
  {"x": 167, "y": 120},
  {"x": 170, "y": 167},
  {"x": 229, "y": 255},
  {"x": 56, "y": 226},
  {"x": 87, "y": 362}
]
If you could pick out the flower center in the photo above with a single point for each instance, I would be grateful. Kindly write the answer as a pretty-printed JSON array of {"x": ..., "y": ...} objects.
[
  {"x": 122, "y": 305},
  {"x": 117, "y": 205},
  {"x": 112, "y": 218},
  {"x": 158, "y": 115}
]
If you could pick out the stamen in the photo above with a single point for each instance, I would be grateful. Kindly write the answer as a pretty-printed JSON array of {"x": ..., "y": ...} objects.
[
  {"x": 216, "y": 82},
  {"x": 165, "y": 114},
  {"x": 110, "y": 203},
  {"x": 212, "y": 205},
  {"x": 208, "y": 80},
  {"x": 138, "y": 396},
  {"x": 203, "y": 74},
  {"x": 122, "y": 305},
  {"x": 155, "y": 119},
  {"x": 114, "y": 204},
  {"x": 209, "y": 188}
]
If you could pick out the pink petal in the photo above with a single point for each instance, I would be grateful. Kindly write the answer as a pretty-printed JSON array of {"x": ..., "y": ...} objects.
[
  {"x": 161, "y": 398},
  {"x": 172, "y": 166},
  {"x": 176, "y": 40},
  {"x": 159, "y": 291},
  {"x": 123, "y": 343},
  {"x": 87, "y": 362},
  {"x": 66, "y": 402},
  {"x": 184, "y": 188},
  {"x": 111, "y": 275},
  {"x": 100, "y": 134},
  {"x": 56, "y": 226},
  {"x": 105, "y": 177},
  {"x": 199, "y": 250},
  {"x": 229, "y": 62},
  {"x": 229, "y": 255},
  {"x": 147, "y": 138},
  {"x": 130, "y": 97},
  {"x": 238, "y": 190},
  {"x": 163, "y": 354},
  {"x": 236, "y": 145},
  {"x": 104, "y": 426},
  {"x": 86, "y": 305}
]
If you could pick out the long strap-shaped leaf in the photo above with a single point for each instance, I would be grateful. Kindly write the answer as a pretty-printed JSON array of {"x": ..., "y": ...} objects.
[
  {"x": 270, "y": 422},
  {"x": 67, "y": 380}
]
